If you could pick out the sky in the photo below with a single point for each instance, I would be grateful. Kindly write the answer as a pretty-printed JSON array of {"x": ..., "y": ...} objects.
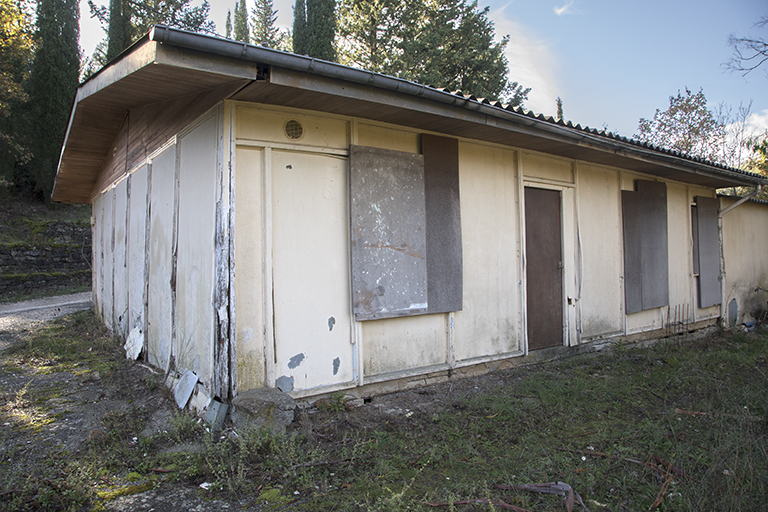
[{"x": 611, "y": 62}]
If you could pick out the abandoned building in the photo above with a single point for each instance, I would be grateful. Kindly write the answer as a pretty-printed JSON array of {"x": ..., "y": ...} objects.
[{"x": 268, "y": 220}]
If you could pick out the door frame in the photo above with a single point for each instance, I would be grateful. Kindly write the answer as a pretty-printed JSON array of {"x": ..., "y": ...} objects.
[{"x": 568, "y": 248}]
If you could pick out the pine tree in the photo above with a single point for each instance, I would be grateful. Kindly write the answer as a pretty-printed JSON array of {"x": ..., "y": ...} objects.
[
  {"x": 264, "y": 30},
  {"x": 321, "y": 29},
  {"x": 241, "y": 22},
  {"x": 444, "y": 43},
  {"x": 300, "y": 28},
  {"x": 559, "y": 103},
  {"x": 55, "y": 73},
  {"x": 228, "y": 25}
]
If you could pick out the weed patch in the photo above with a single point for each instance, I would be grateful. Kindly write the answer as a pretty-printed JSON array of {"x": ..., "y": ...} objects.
[{"x": 678, "y": 426}]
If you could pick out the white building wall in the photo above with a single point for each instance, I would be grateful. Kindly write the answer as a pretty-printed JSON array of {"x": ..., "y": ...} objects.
[
  {"x": 745, "y": 237},
  {"x": 250, "y": 326},
  {"x": 120, "y": 281},
  {"x": 489, "y": 323},
  {"x": 600, "y": 267},
  {"x": 194, "y": 316},
  {"x": 161, "y": 249},
  {"x": 97, "y": 248},
  {"x": 293, "y": 318},
  {"x": 107, "y": 259},
  {"x": 137, "y": 232}
]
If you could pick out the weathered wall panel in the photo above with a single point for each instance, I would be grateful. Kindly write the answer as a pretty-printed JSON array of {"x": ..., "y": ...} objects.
[
  {"x": 97, "y": 209},
  {"x": 389, "y": 244},
  {"x": 405, "y": 343},
  {"x": 489, "y": 321},
  {"x": 107, "y": 272},
  {"x": 646, "y": 246},
  {"x": 249, "y": 261},
  {"x": 137, "y": 233},
  {"x": 746, "y": 264},
  {"x": 388, "y": 138},
  {"x": 312, "y": 320},
  {"x": 540, "y": 166},
  {"x": 268, "y": 125},
  {"x": 600, "y": 241},
  {"x": 120, "y": 284},
  {"x": 709, "y": 252},
  {"x": 680, "y": 259},
  {"x": 194, "y": 338},
  {"x": 159, "y": 296},
  {"x": 146, "y": 129},
  {"x": 443, "y": 223}
]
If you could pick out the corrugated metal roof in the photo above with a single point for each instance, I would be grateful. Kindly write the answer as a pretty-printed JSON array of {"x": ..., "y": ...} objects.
[{"x": 599, "y": 133}]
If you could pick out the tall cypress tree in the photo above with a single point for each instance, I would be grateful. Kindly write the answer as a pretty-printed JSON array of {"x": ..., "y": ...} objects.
[
  {"x": 321, "y": 29},
  {"x": 55, "y": 73},
  {"x": 241, "y": 22},
  {"x": 299, "y": 28},
  {"x": 228, "y": 25},
  {"x": 119, "y": 32}
]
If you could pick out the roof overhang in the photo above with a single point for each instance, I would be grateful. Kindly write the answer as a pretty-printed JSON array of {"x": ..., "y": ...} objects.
[{"x": 169, "y": 63}]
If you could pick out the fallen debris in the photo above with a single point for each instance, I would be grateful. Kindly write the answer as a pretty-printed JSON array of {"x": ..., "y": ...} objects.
[
  {"x": 183, "y": 390},
  {"x": 559, "y": 488},
  {"x": 494, "y": 503}
]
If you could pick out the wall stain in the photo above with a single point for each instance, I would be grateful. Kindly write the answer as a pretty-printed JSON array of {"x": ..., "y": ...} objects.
[
  {"x": 336, "y": 364},
  {"x": 295, "y": 361},
  {"x": 331, "y": 323}
]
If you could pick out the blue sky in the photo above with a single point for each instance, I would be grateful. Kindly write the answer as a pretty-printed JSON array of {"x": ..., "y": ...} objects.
[{"x": 611, "y": 61}]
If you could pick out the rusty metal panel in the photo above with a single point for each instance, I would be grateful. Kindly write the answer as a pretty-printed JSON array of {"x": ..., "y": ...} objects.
[
  {"x": 544, "y": 263},
  {"x": 388, "y": 238},
  {"x": 655, "y": 243},
  {"x": 631, "y": 208},
  {"x": 708, "y": 252},
  {"x": 695, "y": 236},
  {"x": 646, "y": 246},
  {"x": 443, "y": 223}
]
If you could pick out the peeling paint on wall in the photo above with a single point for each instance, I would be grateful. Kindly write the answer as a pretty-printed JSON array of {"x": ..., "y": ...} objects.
[
  {"x": 331, "y": 323},
  {"x": 284, "y": 383},
  {"x": 295, "y": 361},
  {"x": 336, "y": 363}
]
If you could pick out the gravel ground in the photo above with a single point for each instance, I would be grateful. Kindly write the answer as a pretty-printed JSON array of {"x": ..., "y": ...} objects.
[{"x": 17, "y": 317}]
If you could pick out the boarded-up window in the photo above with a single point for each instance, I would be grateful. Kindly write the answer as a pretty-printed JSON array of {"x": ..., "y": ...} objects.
[
  {"x": 646, "y": 246},
  {"x": 706, "y": 250},
  {"x": 406, "y": 230}
]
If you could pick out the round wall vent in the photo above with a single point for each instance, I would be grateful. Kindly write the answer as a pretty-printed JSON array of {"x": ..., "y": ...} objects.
[{"x": 294, "y": 130}]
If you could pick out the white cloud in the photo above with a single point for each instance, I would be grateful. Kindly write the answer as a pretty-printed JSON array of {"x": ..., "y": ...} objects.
[
  {"x": 758, "y": 122},
  {"x": 531, "y": 63},
  {"x": 564, "y": 9}
]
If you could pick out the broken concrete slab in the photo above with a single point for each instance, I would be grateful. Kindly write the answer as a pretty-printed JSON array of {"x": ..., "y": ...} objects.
[
  {"x": 217, "y": 413},
  {"x": 183, "y": 390},
  {"x": 266, "y": 407},
  {"x": 200, "y": 400}
]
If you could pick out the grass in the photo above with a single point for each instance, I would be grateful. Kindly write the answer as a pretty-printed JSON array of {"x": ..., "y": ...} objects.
[{"x": 684, "y": 422}]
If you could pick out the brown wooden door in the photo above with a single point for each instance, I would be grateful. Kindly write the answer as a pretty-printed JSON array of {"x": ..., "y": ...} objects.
[{"x": 544, "y": 264}]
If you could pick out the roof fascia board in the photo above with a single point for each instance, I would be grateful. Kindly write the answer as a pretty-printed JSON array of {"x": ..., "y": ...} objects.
[
  {"x": 210, "y": 63},
  {"x": 143, "y": 55}
]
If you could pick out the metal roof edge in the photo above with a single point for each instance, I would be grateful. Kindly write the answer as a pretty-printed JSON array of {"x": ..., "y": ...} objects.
[{"x": 598, "y": 138}]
